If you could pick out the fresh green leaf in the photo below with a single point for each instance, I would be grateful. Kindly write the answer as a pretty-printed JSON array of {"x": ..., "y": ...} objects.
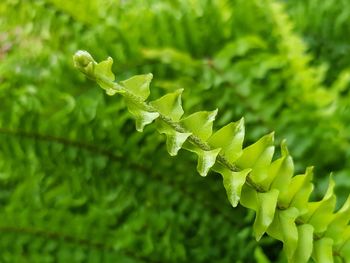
[
  {"x": 142, "y": 117},
  {"x": 298, "y": 192},
  {"x": 284, "y": 229},
  {"x": 230, "y": 139},
  {"x": 339, "y": 222},
  {"x": 280, "y": 171},
  {"x": 200, "y": 123},
  {"x": 305, "y": 244},
  {"x": 175, "y": 139},
  {"x": 233, "y": 183},
  {"x": 249, "y": 197},
  {"x": 170, "y": 105},
  {"x": 323, "y": 250},
  {"x": 258, "y": 156},
  {"x": 138, "y": 85},
  {"x": 206, "y": 159},
  {"x": 104, "y": 69},
  {"x": 266, "y": 207},
  {"x": 260, "y": 257},
  {"x": 343, "y": 248},
  {"x": 320, "y": 214}
]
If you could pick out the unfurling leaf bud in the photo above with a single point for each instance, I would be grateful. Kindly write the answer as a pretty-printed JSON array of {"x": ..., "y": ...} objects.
[{"x": 84, "y": 62}]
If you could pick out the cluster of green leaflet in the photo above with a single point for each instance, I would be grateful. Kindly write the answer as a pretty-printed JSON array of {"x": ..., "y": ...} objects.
[{"x": 250, "y": 175}]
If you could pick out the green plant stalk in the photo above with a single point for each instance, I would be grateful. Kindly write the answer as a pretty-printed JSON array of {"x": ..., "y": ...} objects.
[
  {"x": 114, "y": 87},
  {"x": 102, "y": 74}
]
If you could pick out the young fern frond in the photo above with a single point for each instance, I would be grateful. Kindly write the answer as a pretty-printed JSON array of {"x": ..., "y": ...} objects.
[{"x": 250, "y": 177}]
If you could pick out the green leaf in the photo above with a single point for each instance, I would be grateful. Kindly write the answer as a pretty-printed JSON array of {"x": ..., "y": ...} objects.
[
  {"x": 206, "y": 159},
  {"x": 344, "y": 247},
  {"x": 298, "y": 192},
  {"x": 233, "y": 183},
  {"x": 200, "y": 123},
  {"x": 104, "y": 69},
  {"x": 175, "y": 139},
  {"x": 323, "y": 250},
  {"x": 141, "y": 116},
  {"x": 230, "y": 139},
  {"x": 280, "y": 171},
  {"x": 340, "y": 221},
  {"x": 258, "y": 156},
  {"x": 305, "y": 244},
  {"x": 284, "y": 229},
  {"x": 249, "y": 197},
  {"x": 104, "y": 76},
  {"x": 266, "y": 207},
  {"x": 138, "y": 85},
  {"x": 320, "y": 214},
  {"x": 170, "y": 105},
  {"x": 259, "y": 256}
]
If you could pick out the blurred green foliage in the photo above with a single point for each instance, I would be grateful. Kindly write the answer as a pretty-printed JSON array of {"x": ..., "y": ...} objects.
[
  {"x": 77, "y": 184},
  {"x": 325, "y": 28}
]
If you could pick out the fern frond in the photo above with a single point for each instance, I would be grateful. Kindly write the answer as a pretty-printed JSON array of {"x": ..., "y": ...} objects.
[{"x": 250, "y": 176}]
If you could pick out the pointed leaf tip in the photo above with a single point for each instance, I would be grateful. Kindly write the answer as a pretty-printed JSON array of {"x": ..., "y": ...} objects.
[
  {"x": 175, "y": 139},
  {"x": 230, "y": 139},
  {"x": 213, "y": 114},
  {"x": 310, "y": 169},
  {"x": 320, "y": 213},
  {"x": 284, "y": 148},
  {"x": 339, "y": 222},
  {"x": 141, "y": 116},
  {"x": 280, "y": 173},
  {"x": 233, "y": 183},
  {"x": 257, "y": 156},
  {"x": 298, "y": 192},
  {"x": 206, "y": 159},
  {"x": 175, "y": 142},
  {"x": 241, "y": 122},
  {"x": 145, "y": 118}
]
